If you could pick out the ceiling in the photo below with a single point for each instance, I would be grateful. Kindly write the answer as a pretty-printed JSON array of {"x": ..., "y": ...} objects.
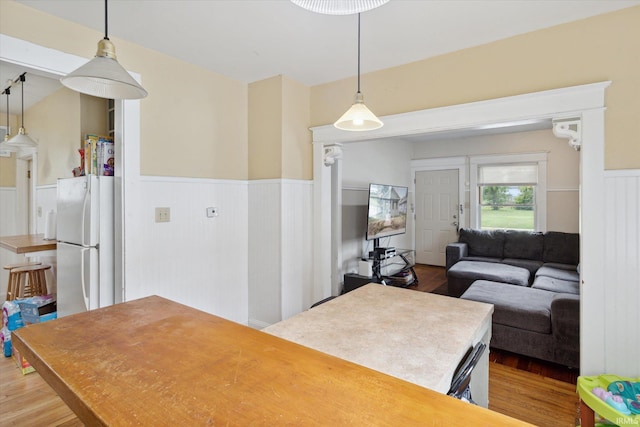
[{"x": 249, "y": 40}]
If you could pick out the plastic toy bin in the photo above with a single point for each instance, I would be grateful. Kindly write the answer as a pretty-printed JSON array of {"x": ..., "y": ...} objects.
[{"x": 590, "y": 403}]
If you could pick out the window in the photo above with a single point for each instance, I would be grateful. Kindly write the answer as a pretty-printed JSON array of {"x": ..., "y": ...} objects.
[
  {"x": 507, "y": 196},
  {"x": 509, "y": 192}
]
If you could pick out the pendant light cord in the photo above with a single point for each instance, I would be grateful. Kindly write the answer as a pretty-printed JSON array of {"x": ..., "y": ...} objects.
[
  {"x": 7, "y": 92},
  {"x": 22, "y": 80},
  {"x": 106, "y": 21},
  {"x": 358, "y": 53}
]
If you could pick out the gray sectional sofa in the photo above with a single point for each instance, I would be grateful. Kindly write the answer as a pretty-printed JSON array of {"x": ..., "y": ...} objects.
[{"x": 533, "y": 281}]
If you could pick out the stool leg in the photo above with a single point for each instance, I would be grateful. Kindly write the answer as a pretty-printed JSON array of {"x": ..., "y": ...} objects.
[
  {"x": 586, "y": 415},
  {"x": 12, "y": 286}
]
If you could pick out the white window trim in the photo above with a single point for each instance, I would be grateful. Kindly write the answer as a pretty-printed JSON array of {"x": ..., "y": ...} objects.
[{"x": 541, "y": 188}]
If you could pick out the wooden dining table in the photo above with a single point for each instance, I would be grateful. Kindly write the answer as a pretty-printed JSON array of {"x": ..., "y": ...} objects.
[
  {"x": 27, "y": 243},
  {"x": 152, "y": 361}
]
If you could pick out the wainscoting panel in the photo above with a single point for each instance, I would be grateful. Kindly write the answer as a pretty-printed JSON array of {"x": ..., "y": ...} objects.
[
  {"x": 622, "y": 272},
  {"x": 7, "y": 228},
  {"x": 193, "y": 259},
  {"x": 297, "y": 246},
  {"x": 265, "y": 249},
  {"x": 280, "y": 249}
]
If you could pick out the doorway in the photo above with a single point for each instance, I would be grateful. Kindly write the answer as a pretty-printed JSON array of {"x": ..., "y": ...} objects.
[{"x": 437, "y": 214}]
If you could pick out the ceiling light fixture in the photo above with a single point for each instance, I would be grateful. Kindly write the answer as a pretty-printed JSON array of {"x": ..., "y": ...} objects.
[
  {"x": 21, "y": 140},
  {"x": 358, "y": 117},
  {"x": 103, "y": 76},
  {"x": 338, "y": 7}
]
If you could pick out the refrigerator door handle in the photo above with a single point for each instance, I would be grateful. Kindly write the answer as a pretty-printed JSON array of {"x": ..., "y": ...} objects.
[
  {"x": 87, "y": 193},
  {"x": 83, "y": 283}
]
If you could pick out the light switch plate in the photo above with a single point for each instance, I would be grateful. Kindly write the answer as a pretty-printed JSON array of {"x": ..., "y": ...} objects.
[{"x": 163, "y": 214}]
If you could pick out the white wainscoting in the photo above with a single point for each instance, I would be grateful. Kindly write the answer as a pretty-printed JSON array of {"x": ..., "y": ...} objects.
[
  {"x": 622, "y": 273},
  {"x": 280, "y": 249},
  {"x": 195, "y": 260},
  {"x": 265, "y": 249},
  {"x": 7, "y": 228},
  {"x": 297, "y": 246}
]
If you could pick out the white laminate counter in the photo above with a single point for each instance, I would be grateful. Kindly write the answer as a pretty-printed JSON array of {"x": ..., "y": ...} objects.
[{"x": 415, "y": 336}]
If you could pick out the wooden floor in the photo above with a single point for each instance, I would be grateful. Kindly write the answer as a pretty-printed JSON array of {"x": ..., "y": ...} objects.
[{"x": 531, "y": 390}]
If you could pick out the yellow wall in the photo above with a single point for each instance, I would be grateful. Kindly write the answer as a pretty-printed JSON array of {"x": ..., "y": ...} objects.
[
  {"x": 265, "y": 129},
  {"x": 279, "y": 136},
  {"x": 297, "y": 151},
  {"x": 193, "y": 123},
  {"x": 604, "y": 47},
  {"x": 54, "y": 123}
]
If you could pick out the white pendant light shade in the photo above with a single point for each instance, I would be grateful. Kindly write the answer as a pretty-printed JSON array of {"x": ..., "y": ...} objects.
[
  {"x": 104, "y": 77},
  {"x": 358, "y": 117},
  {"x": 21, "y": 140},
  {"x": 338, "y": 7}
]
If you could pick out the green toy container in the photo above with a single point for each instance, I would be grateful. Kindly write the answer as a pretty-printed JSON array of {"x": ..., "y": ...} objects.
[{"x": 586, "y": 384}]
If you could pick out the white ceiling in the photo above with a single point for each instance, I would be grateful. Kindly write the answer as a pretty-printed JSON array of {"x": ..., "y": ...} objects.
[{"x": 249, "y": 40}]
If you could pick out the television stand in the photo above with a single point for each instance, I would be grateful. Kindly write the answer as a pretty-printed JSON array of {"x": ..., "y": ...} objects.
[{"x": 393, "y": 271}]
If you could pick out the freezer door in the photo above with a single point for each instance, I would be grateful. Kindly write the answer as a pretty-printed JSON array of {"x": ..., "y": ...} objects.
[{"x": 77, "y": 279}]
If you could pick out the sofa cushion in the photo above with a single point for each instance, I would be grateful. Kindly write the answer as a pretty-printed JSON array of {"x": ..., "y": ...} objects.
[
  {"x": 556, "y": 285},
  {"x": 487, "y": 243},
  {"x": 522, "y": 308},
  {"x": 557, "y": 265},
  {"x": 481, "y": 258},
  {"x": 523, "y": 245},
  {"x": 558, "y": 273},
  {"x": 490, "y": 271},
  {"x": 530, "y": 265},
  {"x": 563, "y": 248}
]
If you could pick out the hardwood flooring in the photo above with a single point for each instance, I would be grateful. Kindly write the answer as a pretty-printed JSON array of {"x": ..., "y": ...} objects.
[{"x": 527, "y": 389}]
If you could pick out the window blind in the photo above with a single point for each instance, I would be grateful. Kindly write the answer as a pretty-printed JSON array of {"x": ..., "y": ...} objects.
[{"x": 508, "y": 174}]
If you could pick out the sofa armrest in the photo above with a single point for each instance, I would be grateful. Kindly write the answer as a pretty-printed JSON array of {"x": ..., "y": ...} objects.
[
  {"x": 565, "y": 317},
  {"x": 455, "y": 252}
]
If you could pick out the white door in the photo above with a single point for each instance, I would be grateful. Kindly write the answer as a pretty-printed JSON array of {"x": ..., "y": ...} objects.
[{"x": 437, "y": 214}]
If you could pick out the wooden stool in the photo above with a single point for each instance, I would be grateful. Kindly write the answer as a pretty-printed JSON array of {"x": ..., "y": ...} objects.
[
  {"x": 14, "y": 279},
  {"x": 28, "y": 281}
]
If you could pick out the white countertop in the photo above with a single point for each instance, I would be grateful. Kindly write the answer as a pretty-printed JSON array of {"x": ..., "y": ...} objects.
[{"x": 412, "y": 335}]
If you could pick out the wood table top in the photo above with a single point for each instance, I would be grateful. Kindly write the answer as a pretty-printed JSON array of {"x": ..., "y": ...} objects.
[
  {"x": 27, "y": 243},
  {"x": 156, "y": 362}
]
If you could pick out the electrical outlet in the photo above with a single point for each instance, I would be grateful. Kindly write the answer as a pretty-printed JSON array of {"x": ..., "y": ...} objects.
[
  {"x": 163, "y": 214},
  {"x": 212, "y": 212}
]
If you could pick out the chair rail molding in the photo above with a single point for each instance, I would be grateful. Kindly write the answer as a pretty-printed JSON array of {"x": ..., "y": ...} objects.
[{"x": 579, "y": 109}]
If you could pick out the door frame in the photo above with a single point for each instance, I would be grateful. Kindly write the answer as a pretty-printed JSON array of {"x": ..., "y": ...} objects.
[
  {"x": 458, "y": 163},
  {"x": 577, "y": 113}
]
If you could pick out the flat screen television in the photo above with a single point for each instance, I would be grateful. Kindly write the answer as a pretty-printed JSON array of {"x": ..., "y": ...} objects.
[{"x": 387, "y": 211}]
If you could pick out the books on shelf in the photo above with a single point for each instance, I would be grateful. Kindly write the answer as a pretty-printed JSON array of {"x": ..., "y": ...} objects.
[{"x": 99, "y": 155}]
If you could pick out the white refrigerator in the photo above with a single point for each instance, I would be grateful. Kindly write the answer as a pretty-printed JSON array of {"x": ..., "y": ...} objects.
[{"x": 85, "y": 250}]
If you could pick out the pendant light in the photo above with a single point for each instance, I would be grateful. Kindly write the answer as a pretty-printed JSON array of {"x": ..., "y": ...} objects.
[
  {"x": 358, "y": 117},
  {"x": 3, "y": 145},
  {"x": 22, "y": 139},
  {"x": 338, "y": 7},
  {"x": 103, "y": 76}
]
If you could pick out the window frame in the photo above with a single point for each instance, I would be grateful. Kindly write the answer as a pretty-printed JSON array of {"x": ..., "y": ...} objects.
[{"x": 540, "y": 188}]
